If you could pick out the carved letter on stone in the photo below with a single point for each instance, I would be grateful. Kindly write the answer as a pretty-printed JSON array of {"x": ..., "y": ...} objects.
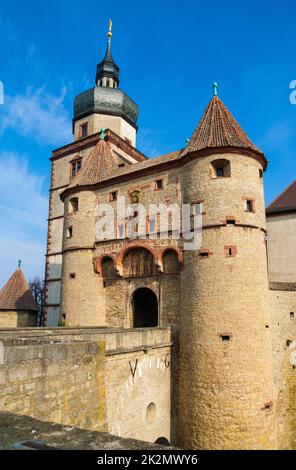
[{"x": 133, "y": 369}]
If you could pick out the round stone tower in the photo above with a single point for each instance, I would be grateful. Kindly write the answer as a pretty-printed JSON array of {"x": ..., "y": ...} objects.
[
  {"x": 82, "y": 297},
  {"x": 226, "y": 395}
]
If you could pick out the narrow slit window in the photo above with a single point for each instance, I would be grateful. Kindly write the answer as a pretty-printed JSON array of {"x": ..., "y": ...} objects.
[{"x": 70, "y": 232}]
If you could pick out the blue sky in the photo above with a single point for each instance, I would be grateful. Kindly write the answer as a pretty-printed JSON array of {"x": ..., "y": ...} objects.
[{"x": 169, "y": 53}]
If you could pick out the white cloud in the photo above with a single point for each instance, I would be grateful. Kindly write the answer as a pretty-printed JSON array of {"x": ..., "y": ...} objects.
[
  {"x": 23, "y": 209},
  {"x": 39, "y": 115}
]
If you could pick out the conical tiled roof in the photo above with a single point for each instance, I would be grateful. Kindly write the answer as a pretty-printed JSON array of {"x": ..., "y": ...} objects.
[
  {"x": 98, "y": 166},
  {"x": 16, "y": 294},
  {"x": 218, "y": 129}
]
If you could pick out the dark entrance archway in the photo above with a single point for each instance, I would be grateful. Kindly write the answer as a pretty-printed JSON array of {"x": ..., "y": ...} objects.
[
  {"x": 145, "y": 308},
  {"x": 162, "y": 441}
]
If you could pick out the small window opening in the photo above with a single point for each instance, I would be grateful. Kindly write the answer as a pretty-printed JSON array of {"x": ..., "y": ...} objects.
[
  {"x": 267, "y": 406},
  {"x": 70, "y": 232},
  {"x": 249, "y": 205},
  {"x": 72, "y": 275},
  {"x": 289, "y": 341},
  {"x": 204, "y": 254},
  {"x": 158, "y": 184},
  {"x": 113, "y": 196},
  {"x": 225, "y": 337},
  {"x": 121, "y": 165},
  {"x": 260, "y": 174},
  {"x": 75, "y": 167},
  {"x": 84, "y": 130},
  {"x": 230, "y": 221},
  {"x": 292, "y": 315},
  {"x": 221, "y": 168}
]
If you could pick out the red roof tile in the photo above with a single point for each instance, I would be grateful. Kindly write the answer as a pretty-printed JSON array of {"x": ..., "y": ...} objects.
[
  {"x": 16, "y": 294},
  {"x": 218, "y": 128},
  {"x": 97, "y": 167},
  {"x": 285, "y": 202}
]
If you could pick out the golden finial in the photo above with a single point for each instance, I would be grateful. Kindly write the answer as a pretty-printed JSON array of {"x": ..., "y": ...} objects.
[{"x": 110, "y": 29}]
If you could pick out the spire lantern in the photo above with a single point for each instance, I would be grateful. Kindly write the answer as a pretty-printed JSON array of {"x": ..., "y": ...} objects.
[
  {"x": 215, "y": 89},
  {"x": 107, "y": 70}
]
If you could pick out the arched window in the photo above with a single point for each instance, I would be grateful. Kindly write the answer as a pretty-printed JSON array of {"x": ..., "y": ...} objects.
[
  {"x": 108, "y": 269},
  {"x": 73, "y": 205},
  {"x": 221, "y": 168},
  {"x": 138, "y": 262},
  {"x": 170, "y": 262},
  {"x": 145, "y": 308}
]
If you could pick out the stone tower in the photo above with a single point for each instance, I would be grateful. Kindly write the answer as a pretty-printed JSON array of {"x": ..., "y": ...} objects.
[
  {"x": 103, "y": 106},
  {"x": 226, "y": 393}
]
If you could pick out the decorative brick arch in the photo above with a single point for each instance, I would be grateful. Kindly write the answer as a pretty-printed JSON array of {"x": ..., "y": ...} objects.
[
  {"x": 160, "y": 255},
  {"x": 97, "y": 262},
  {"x": 125, "y": 250}
]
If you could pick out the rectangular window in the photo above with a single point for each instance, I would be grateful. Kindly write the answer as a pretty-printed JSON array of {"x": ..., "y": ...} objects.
[
  {"x": 113, "y": 196},
  {"x": 70, "y": 232},
  {"x": 225, "y": 337},
  {"x": 84, "y": 130},
  {"x": 158, "y": 185},
  {"x": 75, "y": 167},
  {"x": 220, "y": 171},
  {"x": 249, "y": 205}
]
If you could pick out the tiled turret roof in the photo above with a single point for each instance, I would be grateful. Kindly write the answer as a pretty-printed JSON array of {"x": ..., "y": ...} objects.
[
  {"x": 218, "y": 129},
  {"x": 16, "y": 294},
  {"x": 97, "y": 167}
]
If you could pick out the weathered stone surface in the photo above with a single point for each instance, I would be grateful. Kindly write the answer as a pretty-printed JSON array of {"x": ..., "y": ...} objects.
[{"x": 15, "y": 429}]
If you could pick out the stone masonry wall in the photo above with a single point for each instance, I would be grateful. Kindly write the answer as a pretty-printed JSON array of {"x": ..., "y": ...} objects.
[
  {"x": 53, "y": 380},
  {"x": 283, "y": 329},
  {"x": 115, "y": 380},
  {"x": 20, "y": 318}
]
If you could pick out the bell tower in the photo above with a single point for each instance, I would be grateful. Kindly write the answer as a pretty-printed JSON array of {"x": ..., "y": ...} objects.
[{"x": 105, "y": 105}]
